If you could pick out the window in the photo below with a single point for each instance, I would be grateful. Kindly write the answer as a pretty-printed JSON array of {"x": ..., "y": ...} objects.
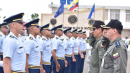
[
  {"x": 115, "y": 14},
  {"x": 106, "y": 14},
  {"x": 127, "y": 15}
]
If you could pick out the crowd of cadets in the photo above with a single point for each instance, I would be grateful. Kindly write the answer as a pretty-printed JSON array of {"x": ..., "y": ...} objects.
[{"x": 43, "y": 51}]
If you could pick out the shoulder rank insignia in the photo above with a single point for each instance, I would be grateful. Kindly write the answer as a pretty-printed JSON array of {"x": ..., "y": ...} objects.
[
  {"x": 102, "y": 46},
  {"x": 0, "y": 35},
  {"x": 117, "y": 44},
  {"x": 56, "y": 37},
  {"x": 11, "y": 36},
  {"x": 67, "y": 39},
  {"x": 43, "y": 39},
  {"x": 116, "y": 55},
  {"x": 31, "y": 38}
]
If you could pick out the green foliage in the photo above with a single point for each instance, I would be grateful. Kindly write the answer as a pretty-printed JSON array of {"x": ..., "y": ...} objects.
[
  {"x": 4, "y": 17},
  {"x": 34, "y": 16}
]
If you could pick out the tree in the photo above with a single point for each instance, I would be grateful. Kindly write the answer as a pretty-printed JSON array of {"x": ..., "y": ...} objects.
[{"x": 34, "y": 16}]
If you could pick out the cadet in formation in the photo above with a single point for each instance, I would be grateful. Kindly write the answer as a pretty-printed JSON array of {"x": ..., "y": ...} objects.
[
  {"x": 68, "y": 49},
  {"x": 4, "y": 30},
  {"x": 33, "y": 52},
  {"x": 115, "y": 58},
  {"x": 58, "y": 51},
  {"x": 45, "y": 47},
  {"x": 98, "y": 49},
  {"x": 14, "y": 54}
]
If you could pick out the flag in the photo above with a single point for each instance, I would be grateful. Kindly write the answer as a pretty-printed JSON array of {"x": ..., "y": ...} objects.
[
  {"x": 60, "y": 10},
  {"x": 73, "y": 5},
  {"x": 92, "y": 10}
]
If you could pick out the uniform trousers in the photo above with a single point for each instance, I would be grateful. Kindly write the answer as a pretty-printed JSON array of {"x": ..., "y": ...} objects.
[
  {"x": 62, "y": 65},
  {"x": 69, "y": 60},
  {"x": 32, "y": 70},
  {"x": 75, "y": 65},
  {"x": 1, "y": 68},
  {"x": 47, "y": 68},
  {"x": 82, "y": 63}
]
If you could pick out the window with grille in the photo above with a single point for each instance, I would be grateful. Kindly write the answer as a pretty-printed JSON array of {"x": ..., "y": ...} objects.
[
  {"x": 127, "y": 15},
  {"x": 114, "y": 14}
]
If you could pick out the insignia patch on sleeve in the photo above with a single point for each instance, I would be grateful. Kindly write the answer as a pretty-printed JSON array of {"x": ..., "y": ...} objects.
[
  {"x": 102, "y": 46},
  {"x": 11, "y": 36},
  {"x": 117, "y": 44},
  {"x": 116, "y": 55},
  {"x": 0, "y": 35}
]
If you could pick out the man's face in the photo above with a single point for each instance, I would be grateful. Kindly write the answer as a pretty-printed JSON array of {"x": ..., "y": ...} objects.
[
  {"x": 48, "y": 33},
  {"x": 19, "y": 27},
  {"x": 60, "y": 32},
  {"x": 5, "y": 29},
  {"x": 104, "y": 33},
  {"x": 109, "y": 33},
  {"x": 69, "y": 34},
  {"x": 36, "y": 30},
  {"x": 52, "y": 35},
  {"x": 95, "y": 32}
]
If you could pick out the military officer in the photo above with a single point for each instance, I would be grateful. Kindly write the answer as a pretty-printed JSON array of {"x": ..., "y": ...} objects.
[
  {"x": 74, "y": 64},
  {"x": 45, "y": 46},
  {"x": 4, "y": 30},
  {"x": 14, "y": 54},
  {"x": 83, "y": 48},
  {"x": 33, "y": 52},
  {"x": 115, "y": 58},
  {"x": 97, "y": 51},
  {"x": 68, "y": 48},
  {"x": 58, "y": 51},
  {"x": 39, "y": 36}
]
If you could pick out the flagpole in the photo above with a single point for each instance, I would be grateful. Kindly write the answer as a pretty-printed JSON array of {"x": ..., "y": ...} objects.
[{"x": 78, "y": 15}]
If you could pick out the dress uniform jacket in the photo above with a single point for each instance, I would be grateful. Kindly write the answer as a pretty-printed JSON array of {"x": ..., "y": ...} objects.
[
  {"x": 96, "y": 55},
  {"x": 115, "y": 58}
]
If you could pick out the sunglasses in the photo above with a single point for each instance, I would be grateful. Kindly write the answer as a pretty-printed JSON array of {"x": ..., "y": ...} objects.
[{"x": 94, "y": 29}]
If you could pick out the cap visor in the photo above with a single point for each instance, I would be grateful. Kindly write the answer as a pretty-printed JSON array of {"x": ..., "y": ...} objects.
[
  {"x": 91, "y": 27},
  {"x": 21, "y": 21},
  {"x": 106, "y": 27}
]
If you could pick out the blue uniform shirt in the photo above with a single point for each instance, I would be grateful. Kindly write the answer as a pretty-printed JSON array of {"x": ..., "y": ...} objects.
[
  {"x": 83, "y": 46},
  {"x": 2, "y": 38},
  {"x": 33, "y": 50},
  {"x": 45, "y": 47},
  {"x": 67, "y": 46},
  {"x": 38, "y": 38},
  {"x": 58, "y": 45},
  {"x": 21, "y": 38},
  {"x": 14, "y": 48},
  {"x": 75, "y": 44}
]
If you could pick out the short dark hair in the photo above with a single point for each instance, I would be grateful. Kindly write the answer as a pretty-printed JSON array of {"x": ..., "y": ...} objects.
[{"x": 119, "y": 31}]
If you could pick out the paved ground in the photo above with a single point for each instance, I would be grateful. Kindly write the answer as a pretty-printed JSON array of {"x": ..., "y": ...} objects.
[{"x": 128, "y": 64}]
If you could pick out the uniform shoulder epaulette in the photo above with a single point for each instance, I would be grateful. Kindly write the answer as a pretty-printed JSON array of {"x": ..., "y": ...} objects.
[
  {"x": 11, "y": 36},
  {"x": 0, "y": 35},
  {"x": 67, "y": 39},
  {"x": 117, "y": 44},
  {"x": 31, "y": 38},
  {"x": 43, "y": 39},
  {"x": 56, "y": 37}
]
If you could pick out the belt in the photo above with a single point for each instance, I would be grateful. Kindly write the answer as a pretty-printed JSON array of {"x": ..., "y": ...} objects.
[
  {"x": 34, "y": 66},
  {"x": 60, "y": 58},
  {"x": 46, "y": 63},
  {"x": 67, "y": 55},
  {"x": 1, "y": 53},
  {"x": 75, "y": 53},
  {"x": 17, "y": 72},
  {"x": 83, "y": 51}
]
